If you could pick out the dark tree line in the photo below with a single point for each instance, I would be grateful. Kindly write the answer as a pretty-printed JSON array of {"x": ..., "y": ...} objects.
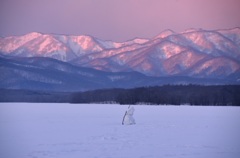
[
  {"x": 169, "y": 94},
  {"x": 11, "y": 95}
]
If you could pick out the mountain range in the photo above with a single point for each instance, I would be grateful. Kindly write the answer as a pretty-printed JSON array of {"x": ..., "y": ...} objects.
[{"x": 73, "y": 63}]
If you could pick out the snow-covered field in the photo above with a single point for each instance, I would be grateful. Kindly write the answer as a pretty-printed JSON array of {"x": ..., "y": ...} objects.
[{"x": 30, "y": 130}]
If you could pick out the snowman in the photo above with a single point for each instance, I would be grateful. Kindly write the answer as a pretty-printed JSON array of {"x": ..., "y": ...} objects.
[{"x": 128, "y": 117}]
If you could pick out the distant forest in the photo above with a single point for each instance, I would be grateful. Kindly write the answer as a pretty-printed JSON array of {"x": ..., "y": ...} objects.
[
  {"x": 165, "y": 95},
  {"x": 169, "y": 94}
]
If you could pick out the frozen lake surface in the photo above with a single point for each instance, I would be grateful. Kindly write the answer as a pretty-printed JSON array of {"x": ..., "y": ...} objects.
[{"x": 31, "y": 130}]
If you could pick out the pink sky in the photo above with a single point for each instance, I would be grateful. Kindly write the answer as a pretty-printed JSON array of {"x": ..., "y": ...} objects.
[{"x": 117, "y": 20}]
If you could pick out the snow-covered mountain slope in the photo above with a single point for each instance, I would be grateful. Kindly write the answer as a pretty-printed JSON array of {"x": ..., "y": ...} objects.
[
  {"x": 46, "y": 74},
  {"x": 194, "y": 52},
  {"x": 39, "y": 73}
]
